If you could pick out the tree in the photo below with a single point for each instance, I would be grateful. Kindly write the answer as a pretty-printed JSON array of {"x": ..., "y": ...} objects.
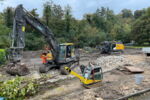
[
  {"x": 57, "y": 11},
  {"x": 68, "y": 17},
  {"x": 34, "y": 13},
  {"x": 4, "y": 33},
  {"x": 53, "y": 17},
  {"x": 141, "y": 30},
  {"x": 139, "y": 13},
  {"x": 89, "y": 18},
  {"x": 8, "y": 14},
  {"x": 57, "y": 24},
  {"x": 47, "y": 12},
  {"x": 104, "y": 19},
  {"x": 90, "y": 36},
  {"x": 95, "y": 27},
  {"x": 126, "y": 13},
  {"x": 123, "y": 33}
]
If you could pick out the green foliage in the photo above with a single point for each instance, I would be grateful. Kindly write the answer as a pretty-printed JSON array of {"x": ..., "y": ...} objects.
[
  {"x": 8, "y": 13},
  {"x": 90, "y": 37},
  {"x": 33, "y": 12},
  {"x": 47, "y": 12},
  {"x": 113, "y": 27},
  {"x": 34, "y": 42},
  {"x": 126, "y": 13},
  {"x": 15, "y": 89},
  {"x": 122, "y": 32},
  {"x": 4, "y": 33},
  {"x": 2, "y": 56},
  {"x": 139, "y": 13},
  {"x": 52, "y": 17},
  {"x": 141, "y": 30},
  {"x": 68, "y": 18},
  {"x": 4, "y": 37},
  {"x": 99, "y": 26}
]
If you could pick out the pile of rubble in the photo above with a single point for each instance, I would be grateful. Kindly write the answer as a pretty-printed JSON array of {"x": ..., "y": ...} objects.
[{"x": 110, "y": 62}]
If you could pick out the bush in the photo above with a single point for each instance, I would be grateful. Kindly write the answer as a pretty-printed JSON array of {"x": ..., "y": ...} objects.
[
  {"x": 17, "y": 89},
  {"x": 2, "y": 56}
]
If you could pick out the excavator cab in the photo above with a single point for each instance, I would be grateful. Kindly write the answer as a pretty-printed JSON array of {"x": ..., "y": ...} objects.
[
  {"x": 66, "y": 52},
  {"x": 67, "y": 57}
]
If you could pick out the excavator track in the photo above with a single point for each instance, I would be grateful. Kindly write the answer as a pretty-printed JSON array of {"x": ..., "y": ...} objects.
[{"x": 45, "y": 68}]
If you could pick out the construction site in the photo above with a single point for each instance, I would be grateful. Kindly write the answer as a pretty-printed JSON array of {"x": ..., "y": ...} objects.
[
  {"x": 99, "y": 69},
  {"x": 117, "y": 81}
]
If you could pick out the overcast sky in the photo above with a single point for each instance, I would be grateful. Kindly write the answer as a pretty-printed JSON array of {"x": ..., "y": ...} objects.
[{"x": 80, "y": 7}]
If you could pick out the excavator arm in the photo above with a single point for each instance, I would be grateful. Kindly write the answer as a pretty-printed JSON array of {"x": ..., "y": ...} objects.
[{"x": 21, "y": 18}]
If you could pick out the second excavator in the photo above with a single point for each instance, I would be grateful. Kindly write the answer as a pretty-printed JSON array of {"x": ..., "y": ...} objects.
[{"x": 63, "y": 54}]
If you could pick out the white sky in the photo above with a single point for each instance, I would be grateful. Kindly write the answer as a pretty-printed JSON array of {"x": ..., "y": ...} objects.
[{"x": 80, "y": 7}]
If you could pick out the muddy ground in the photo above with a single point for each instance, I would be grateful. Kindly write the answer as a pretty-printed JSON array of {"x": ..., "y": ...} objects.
[{"x": 117, "y": 82}]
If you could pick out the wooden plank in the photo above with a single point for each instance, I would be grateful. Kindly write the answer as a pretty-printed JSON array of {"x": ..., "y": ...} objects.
[{"x": 134, "y": 69}]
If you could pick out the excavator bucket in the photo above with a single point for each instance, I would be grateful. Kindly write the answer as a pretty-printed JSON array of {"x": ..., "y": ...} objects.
[{"x": 17, "y": 69}]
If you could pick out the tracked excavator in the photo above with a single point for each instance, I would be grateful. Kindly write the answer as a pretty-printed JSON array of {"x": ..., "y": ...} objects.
[
  {"x": 111, "y": 46},
  {"x": 63, "y": 54}
]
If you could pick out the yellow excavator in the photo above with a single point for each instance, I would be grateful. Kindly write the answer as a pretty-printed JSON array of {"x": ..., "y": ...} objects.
[
  {"x": 107, "y": 47},
  {"x": 91, "y": 74},
  {"x": 63, "y": 54}
]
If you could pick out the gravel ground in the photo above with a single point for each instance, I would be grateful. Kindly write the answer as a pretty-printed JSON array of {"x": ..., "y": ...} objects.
[
  {"x": 115, "y": 83},
  {"x": 110, "y": 62}
]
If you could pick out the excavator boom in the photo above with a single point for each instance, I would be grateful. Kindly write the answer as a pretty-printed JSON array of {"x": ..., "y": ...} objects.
[{"x": 21, "y": 18}]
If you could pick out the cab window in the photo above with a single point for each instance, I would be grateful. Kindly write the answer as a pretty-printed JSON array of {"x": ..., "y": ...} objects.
[{"x": 62, "y": 54}]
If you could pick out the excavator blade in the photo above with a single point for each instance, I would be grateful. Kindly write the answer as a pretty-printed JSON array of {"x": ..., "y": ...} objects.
[{"x": 17, "y": 69}]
